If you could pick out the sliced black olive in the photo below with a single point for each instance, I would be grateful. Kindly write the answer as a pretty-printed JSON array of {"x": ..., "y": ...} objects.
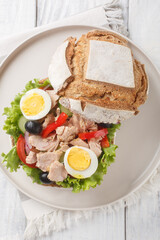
[
  {"x": 33, "y": 127},
  {"x": 106, "y": 125},
  {"x": 43, "y": 178}
]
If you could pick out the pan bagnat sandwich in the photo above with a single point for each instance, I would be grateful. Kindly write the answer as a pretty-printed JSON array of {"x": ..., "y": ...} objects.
[
  {"x": 100, "y": 79},
  {"x": 63, "y": 127}
]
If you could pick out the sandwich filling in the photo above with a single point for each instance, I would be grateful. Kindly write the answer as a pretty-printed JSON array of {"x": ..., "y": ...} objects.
[{"x": 61, "y": 148}]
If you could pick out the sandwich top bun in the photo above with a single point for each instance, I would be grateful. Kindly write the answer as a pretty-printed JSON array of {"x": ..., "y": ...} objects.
[{"x": 98, "y": 77}]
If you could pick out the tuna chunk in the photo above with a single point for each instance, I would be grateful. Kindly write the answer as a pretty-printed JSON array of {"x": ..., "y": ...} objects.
[
  {"x": 95, "y": 146},
  {"x": 48, "y": 120},
  {"x": 63, "y": 147},
  {"x": 54, "y": 97},
  {"x": 91, "y": 126},
  {"x": 57, "y": 172},
  {"x": 60, "y": 130},
  {"x": 79, "y": 142},
  {"x": 65, "y": 133},
  {"x": 42, "y": 144},
  {"x": 44, "y": 160},
  {"x": 54, "y": 145},
  {"x": 81, "y": 124},
  {"x": 31, "y": 158}
]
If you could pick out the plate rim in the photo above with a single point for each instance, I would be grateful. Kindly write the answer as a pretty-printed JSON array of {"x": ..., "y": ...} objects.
[{"x": 7, "y": 59}]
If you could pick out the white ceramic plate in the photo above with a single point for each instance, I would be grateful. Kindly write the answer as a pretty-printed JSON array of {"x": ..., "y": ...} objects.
[{"x": 138, "y": 139}]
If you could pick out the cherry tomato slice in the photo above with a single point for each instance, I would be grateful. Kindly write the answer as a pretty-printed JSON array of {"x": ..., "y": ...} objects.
[
  {"x": 21, "y": 151},
  {"x": 105, "y": 142},
  {"x": 94, "y": 134}
]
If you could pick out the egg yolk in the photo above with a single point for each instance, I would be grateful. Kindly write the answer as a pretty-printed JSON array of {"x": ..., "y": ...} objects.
[
  {"x": 33, "y": 104},
  {"x": 78, "y": 159}
]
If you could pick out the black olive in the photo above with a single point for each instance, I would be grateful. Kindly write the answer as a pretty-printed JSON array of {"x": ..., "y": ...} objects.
[
  {"x": 44, "y": 179},
  {"x": 106, "y": 125},
  {"x": 34, "y": 127}
]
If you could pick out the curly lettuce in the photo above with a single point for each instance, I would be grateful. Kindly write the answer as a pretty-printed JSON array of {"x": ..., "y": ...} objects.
[
  {"x": 13, "y": 114},
  {"x": 33, "y": 173},
  {"x": 12, "y": 160}
]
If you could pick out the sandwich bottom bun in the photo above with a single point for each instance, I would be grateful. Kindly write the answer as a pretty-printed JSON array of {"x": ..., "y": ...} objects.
[{"x": 96, "y": 113}]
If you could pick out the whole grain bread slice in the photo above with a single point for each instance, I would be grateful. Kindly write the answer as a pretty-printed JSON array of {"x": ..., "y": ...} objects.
[{"x": 99, "y": 93}]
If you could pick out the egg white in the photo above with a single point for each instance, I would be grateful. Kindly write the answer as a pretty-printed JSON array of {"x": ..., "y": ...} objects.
[
  {"x": 84, "y": 173},
  {"x": 47, "y": 102}
]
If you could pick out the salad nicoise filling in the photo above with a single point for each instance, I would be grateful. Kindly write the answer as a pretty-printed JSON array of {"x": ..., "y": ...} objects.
[{"x": 53, "y": 145}]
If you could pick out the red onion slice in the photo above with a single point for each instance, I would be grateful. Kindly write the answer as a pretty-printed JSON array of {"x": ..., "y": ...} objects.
[
  {"x": 28, "y": 146},
  {"x": 27, "y": 149},
  {"x": 45, "y": 88}
]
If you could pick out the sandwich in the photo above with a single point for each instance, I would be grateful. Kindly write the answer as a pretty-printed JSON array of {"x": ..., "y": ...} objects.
[
  {"x": 63, "y": 127},
  {"x": 99, "y": 77}
]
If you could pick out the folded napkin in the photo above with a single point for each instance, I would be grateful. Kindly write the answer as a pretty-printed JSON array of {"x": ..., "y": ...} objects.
[{"x": 109, "y": 16}]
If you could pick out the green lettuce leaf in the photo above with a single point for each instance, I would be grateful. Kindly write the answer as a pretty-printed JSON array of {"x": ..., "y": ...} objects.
[
  {"x": 111, "y": 132},
  {"x": 14, "y": 113},
  {"x": 12, "y": 160},
  {"x": 33, "y": 173}
]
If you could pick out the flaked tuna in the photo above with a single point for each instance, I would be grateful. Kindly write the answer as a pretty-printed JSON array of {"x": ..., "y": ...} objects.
[
  {"x": 95, "y": 146},
  {"x": 57, "y": 172},
  {"x": 44, "y": 160},
  {"x": 41, "y": 144},
  {"x": 54, "y": 97},
  {"x": 65, "y": 133},
  {"x": 79, "y": 142},
  {"x": 31, "y": 158},
  {"x": 48, "y": 120},
  {"x": 81, "y": 124}
]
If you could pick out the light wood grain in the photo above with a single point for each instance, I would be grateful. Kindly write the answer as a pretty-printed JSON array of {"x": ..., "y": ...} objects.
[
  {"x": 16, "y": 16},
  {"x": 12, "y": 219},
  {"x": 144, "y": 25},
  {"x": 143, "y": 219},
  {"x": 50, "y": 11}
]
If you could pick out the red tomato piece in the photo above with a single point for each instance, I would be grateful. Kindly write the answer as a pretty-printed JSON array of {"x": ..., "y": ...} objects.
[
  {"x": 94, "y": 134},
  {"x": 21, "y": 151},
  {"x": 105, "y": 142}
]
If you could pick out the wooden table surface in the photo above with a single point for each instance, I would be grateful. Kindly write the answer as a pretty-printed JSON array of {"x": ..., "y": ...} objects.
[{"x": 138, "y": 222}]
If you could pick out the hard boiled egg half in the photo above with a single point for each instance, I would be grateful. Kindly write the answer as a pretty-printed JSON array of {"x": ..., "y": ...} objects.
[
  {"x": 35, "y": 104},
  {"x": 80, "y": 162}
]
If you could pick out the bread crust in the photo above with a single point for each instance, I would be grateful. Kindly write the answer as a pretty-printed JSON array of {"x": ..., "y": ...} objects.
[
  {"x": 104, "y": 94},
  {"x": 96, "y": 113}
]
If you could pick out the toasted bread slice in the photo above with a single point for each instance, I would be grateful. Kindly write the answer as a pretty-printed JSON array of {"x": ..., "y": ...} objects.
[
  {"x": 95, "y": 113},
  {"x": 103, "y": 94},
  {"x": 60, "y": 68}
]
